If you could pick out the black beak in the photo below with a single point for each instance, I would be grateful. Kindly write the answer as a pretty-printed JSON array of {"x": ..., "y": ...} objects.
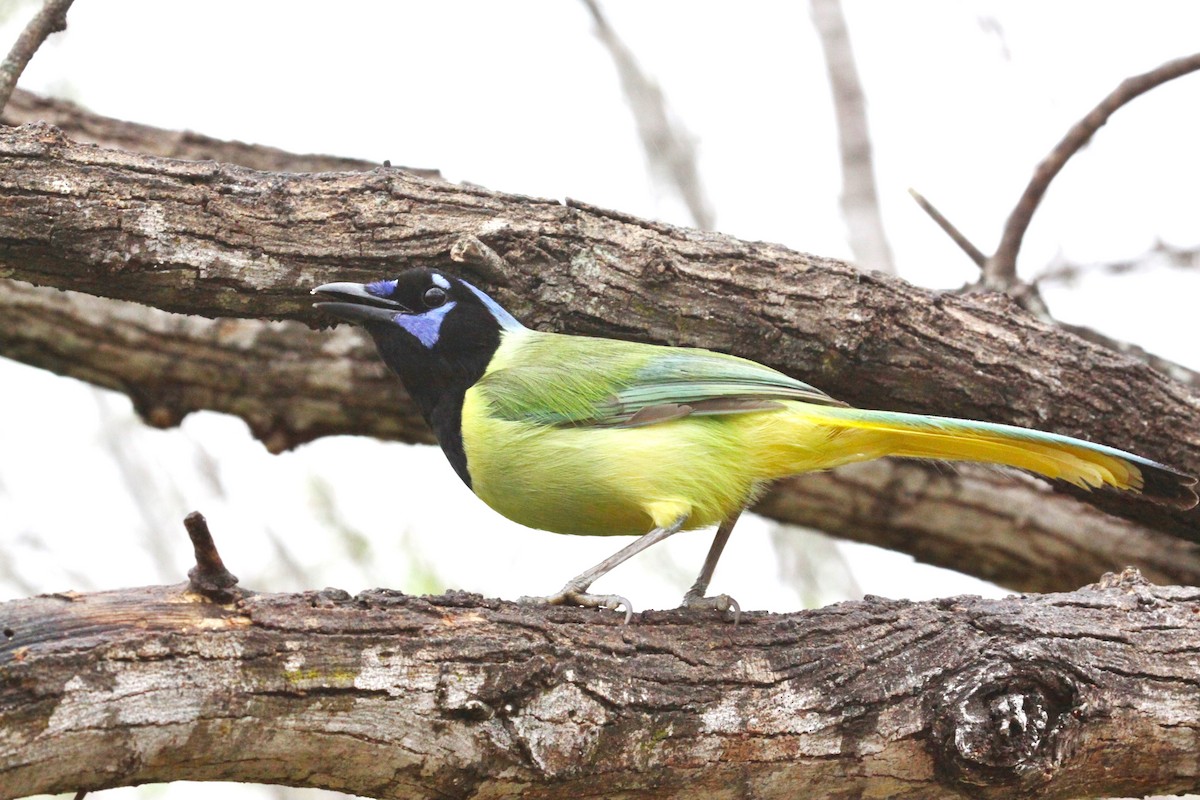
[{"x": 353, "y": 303}]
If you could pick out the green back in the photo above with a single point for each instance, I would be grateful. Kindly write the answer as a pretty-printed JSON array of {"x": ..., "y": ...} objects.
[{"x": 554, "y": 379}]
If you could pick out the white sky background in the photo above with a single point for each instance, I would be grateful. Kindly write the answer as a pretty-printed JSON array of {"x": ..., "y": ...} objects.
[{"x": 964, "y": 98}]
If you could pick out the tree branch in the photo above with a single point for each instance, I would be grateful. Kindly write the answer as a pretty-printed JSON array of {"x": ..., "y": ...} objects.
[
  {"x": 1004, "y": 527},
  {"x": 210, "y": 239},
  {"x": 51, "y": 19},
  {"x": 950, "y": 229},
  {"x": 289, "y": 383},
  {"x": 1000, "y": 271},
  {"x": 390, "y": 696},
  {"x": 1161, "y": 254}
]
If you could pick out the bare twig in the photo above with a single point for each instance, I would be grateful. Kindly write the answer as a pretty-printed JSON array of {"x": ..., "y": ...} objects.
[
  {"x": 973, "y": 252},
  {"x": 859, "y": 201},
  {"x": 51, "y": 19},
  {"x": 1000, "y": 271},
  {"x": 669, "y": 147}
]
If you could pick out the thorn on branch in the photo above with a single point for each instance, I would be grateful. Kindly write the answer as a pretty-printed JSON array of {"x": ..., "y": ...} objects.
[
  {"x": 974, "y": 253},
  {"x": 51, "y": 19},
  {"x": 209, "y": 577}
]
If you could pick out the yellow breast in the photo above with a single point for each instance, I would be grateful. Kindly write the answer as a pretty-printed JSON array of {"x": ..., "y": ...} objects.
[{"x": 599, "y": 481}]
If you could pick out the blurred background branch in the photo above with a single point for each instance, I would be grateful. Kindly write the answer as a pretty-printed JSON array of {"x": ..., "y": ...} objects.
[
  {"x": 859, "y": 196},
  {"x": 670, "y": 149}
]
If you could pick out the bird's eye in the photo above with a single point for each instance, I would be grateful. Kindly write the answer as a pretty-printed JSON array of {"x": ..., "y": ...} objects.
[{"x": 434, "y": 296}]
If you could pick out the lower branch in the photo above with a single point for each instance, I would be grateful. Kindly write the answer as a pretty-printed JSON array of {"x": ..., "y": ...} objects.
[{"x": 1083, "y": 694}]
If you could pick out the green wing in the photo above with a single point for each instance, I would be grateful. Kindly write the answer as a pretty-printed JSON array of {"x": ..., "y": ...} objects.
[{"x": 554, "y": 379}]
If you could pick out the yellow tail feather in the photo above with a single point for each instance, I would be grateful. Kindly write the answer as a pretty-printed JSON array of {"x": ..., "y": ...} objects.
[{"x": 824, "y": 437}]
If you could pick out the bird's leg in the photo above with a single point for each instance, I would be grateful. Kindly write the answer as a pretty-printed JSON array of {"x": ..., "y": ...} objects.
[
  {"x": 575, "y": 592},
  {"x": 695, "y": 596}
]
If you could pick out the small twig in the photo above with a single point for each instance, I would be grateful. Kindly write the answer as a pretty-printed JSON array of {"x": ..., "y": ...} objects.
[
  {"x": 973, "y": 252},
  {"x": 82, "y": 793},
  {"x": 51, "y": 19},
  {"x": 1000, "y": 271},
  {"x": 209, "y": 577}
]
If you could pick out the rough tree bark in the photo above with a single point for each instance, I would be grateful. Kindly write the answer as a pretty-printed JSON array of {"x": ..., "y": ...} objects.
[{"x": 1076, "y": 695}]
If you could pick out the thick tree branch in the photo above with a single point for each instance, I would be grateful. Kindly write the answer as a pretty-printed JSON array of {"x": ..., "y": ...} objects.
[
  {"x": 289, "y": 383},
  {"x": 1007, "y": 528},
  {"x": 388, "y": 696},
  {"x": 219, "y": 240}
]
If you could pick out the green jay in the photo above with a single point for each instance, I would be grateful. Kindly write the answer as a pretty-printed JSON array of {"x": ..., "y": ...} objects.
[{"x": 593, "y": 436}]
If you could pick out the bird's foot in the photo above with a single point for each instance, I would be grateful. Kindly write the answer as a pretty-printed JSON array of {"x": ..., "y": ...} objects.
[
  {"x": 720, "y": 602},
  {"x": 570, "y": 596}
]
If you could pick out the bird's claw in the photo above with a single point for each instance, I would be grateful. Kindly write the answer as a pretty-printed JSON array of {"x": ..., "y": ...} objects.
[
  {"x": 720, "y": 602},
  {"x": 572, "y": 597}
]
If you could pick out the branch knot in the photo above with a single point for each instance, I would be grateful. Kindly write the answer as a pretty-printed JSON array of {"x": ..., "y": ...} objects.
[{"x": 1004, "y": 724}]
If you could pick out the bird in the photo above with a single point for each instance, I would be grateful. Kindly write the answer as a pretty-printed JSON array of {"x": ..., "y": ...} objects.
[{"x": 595, "y": 436}]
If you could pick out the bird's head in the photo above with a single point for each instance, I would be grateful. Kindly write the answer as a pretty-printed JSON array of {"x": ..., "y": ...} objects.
[{"x": 435, "y": 331}]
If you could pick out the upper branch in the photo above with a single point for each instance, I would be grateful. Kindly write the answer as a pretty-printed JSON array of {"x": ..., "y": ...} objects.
[{"x": 210, "y": 239}]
